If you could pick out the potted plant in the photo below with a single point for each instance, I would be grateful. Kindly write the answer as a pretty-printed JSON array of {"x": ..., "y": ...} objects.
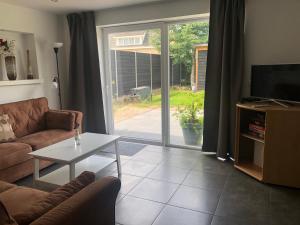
[{"x": 191, "y": 122}]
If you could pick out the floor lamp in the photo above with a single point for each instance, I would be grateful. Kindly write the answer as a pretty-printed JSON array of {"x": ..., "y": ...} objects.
[{"x": 56, "y": 80}]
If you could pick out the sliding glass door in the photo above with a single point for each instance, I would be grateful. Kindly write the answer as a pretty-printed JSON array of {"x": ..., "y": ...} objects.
[
  {"x": 154, "y": 76},
  {"x": 133, "y": 56}
]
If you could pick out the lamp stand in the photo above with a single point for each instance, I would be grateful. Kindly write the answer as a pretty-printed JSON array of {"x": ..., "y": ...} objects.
[{"x": 58, "y": 78}]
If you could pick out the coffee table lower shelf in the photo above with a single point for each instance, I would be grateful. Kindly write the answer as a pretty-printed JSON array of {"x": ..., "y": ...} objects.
[{"x": 61, "y": 176}]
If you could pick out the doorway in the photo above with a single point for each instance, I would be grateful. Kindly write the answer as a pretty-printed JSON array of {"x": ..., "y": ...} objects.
[{"x": 154, "y": 81}]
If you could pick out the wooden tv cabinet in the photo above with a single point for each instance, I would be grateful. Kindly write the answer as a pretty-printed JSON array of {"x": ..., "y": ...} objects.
[{"x": 274, "y": 159}]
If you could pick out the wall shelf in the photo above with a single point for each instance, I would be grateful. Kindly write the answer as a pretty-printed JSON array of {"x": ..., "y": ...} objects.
[
  {"x": 23, "y": 42},
  {"x": 20, "y": 82}
]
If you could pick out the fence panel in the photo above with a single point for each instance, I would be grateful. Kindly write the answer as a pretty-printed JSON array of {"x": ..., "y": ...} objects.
[
  {"x": 143, "y": 70},
  {"x": 125, "y": 70}
]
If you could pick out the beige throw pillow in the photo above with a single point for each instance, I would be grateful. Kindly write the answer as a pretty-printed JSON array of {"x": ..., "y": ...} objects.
[{"x": 6, "y": 132}]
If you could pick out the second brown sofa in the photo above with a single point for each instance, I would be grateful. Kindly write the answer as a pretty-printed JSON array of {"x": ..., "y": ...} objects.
[{"x": 81, "y": 202}]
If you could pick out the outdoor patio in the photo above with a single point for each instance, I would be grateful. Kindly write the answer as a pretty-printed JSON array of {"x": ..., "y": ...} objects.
[{"x": 147, "y": 125}]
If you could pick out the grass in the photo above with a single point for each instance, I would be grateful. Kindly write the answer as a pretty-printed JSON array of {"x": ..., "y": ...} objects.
[{"x": 178, "y": 97}]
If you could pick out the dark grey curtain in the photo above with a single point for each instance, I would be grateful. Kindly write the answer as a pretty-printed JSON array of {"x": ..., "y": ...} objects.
[
  {"x": 84, "y": 70},
  {"x": 224, "y": 75}
]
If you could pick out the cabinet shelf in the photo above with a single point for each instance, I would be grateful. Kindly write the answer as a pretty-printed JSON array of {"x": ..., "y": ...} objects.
[
  {"x": 253, "y": 138},
  {"x": 250, "y": 169}
]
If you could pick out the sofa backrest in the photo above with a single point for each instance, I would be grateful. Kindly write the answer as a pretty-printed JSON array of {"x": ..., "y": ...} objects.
[{"x": 28, "y": 116}]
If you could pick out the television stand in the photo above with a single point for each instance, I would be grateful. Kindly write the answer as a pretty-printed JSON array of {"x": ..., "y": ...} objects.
[
  {"x": 270, "y": 101},
  {"x": 272, "y": 154}
]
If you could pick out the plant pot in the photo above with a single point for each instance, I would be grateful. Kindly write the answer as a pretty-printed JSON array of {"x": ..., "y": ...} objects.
[
  {"x": 11, "y": 67},
  {"x": 192, "y": 133}
]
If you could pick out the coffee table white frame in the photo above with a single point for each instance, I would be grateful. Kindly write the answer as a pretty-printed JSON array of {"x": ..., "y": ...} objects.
[{"x": 75, "y": 158}]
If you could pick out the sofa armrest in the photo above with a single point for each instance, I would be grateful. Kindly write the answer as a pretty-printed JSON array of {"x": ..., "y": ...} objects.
[
  {"x": 78, "y": 116},
  {"x": 95, "y": 204}
]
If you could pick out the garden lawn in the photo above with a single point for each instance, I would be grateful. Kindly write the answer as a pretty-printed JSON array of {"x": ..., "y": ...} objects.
[{"x": 178, "y": 97}]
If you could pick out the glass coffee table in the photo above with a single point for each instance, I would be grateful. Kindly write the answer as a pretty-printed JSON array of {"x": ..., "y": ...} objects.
[{"x": 75, "y": 158}]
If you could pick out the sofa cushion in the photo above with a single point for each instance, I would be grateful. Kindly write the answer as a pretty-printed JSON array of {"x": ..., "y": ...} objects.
[
  {"x": 78, "y": 117},
  {"x": 18, "y": 200},
  {"x": 13, "y": 153},
  {"x": 5, "y": 218},
  {"x": 53, "y": 199},
  {"x": 45, "y": 138},
  {"x": 60, "y": 120},
  {"x": 4, "y": 186},
  {"x": 6, "y": 132},
  {"x": 26, "y": 117}
]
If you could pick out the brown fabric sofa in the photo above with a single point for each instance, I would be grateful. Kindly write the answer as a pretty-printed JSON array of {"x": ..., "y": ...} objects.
[
  {"x": 35, "y": 126},
  {"x": 93, "y": 204}
]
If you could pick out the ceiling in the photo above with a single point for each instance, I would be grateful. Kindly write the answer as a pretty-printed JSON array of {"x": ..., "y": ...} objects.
[{"x": 65, "y": 6}]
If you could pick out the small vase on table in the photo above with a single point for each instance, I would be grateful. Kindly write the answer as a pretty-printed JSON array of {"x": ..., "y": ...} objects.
[{"x": 77, "y": 135}]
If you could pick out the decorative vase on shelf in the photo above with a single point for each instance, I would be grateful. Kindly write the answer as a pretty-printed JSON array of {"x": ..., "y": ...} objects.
[
  {"x": 2, "y": 68},
  {"x": 11, "y": 67},
  {"x": 29, "y": 67}
]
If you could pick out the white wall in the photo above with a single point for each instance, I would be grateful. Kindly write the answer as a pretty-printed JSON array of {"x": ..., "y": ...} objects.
[
  {"x": 272, "y": 34},
  {"x": 44, "y": 26},
  {"x": 151, "y": 11}
]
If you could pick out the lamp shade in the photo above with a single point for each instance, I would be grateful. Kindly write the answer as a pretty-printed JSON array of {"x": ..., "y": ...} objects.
[{"x": 58, "y": 45}]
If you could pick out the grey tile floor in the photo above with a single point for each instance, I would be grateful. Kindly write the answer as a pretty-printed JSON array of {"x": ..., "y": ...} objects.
[{"x": 183, "y": 187}]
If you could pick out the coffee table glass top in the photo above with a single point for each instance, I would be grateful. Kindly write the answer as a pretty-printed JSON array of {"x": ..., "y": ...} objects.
[{"x": 66, "y": 151}]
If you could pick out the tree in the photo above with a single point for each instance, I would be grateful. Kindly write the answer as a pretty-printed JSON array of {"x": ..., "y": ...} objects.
[{"x": 182, "y": 39}]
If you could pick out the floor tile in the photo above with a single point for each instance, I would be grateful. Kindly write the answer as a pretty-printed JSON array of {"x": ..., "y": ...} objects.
[
  {"x": 179, "y": 161},
  {"x": 211, "y": 164},
  {"x": 154, "y": 148},
  {"x": 195, "y": 199},
  {"x": 205, "y": 180},
  {"x": 283, "y": 195},
  {"x": 284, "y": 214},
  {"x": 241, "y": 183},
  {"x": 168, "y": 173},
  {"x": 178, "y": 216},
  {"x": 137, "y": 168},
  {"x": 185, "y": 152},
  {"x": 135, "y": 211},
  {"x": 218, "y": 220},
  {"x": 128, "y": 182},
  {"x": 154, "y": 190},
  {"x": 119, "y": 197},
  {"x": 284, "y": 206},
  {"x": 148, "y": 157},
  {"x": 246, "y": 206}
]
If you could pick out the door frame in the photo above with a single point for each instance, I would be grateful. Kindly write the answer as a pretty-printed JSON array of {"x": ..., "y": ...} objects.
[{"x": 105, "y": 63}]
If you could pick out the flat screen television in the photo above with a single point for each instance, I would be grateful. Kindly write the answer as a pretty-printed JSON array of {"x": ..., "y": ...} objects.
[{"x": 279, "y": 82}]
